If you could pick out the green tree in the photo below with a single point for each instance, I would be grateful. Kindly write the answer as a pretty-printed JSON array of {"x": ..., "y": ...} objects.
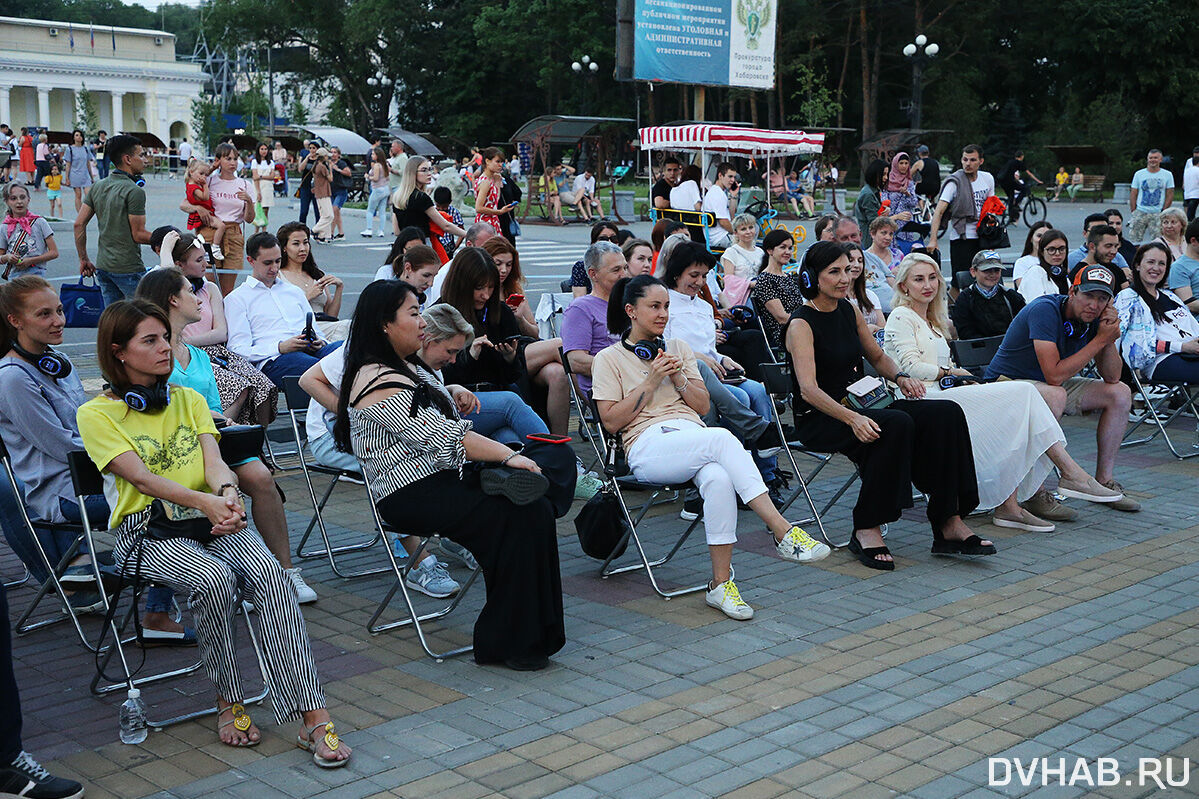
[
  {"x": 207, "y": 122},
  {"x": 87, "y": 119}
]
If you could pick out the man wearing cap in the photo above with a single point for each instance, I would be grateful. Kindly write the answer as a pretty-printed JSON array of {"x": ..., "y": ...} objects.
[
  {"x": 927, "y": 174},
  {"x": 1190, "y": 185},
  {"x": 985, "y": 308},
  {"x": 1049, "y": 342}
]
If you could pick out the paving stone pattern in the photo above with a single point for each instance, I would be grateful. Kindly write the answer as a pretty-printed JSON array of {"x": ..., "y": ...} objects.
[{"x": 847, "y": 682}]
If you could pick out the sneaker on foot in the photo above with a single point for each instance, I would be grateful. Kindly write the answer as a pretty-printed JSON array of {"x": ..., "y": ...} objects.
[
  {"x": 1125, "y": 503},
  {"x": 85, "y": 602},
  {"x": 1025, "y": 521},
  {"x": 459, "y": 552},
  {"x": 1090, "y": 489},
  {"x": 1045, "y": 505},
  {"x": 693, "y": 505},
  {"x": 366, "y": 234},
  {"x": 587, "y": 487},
  {"x": 431, "y": 579},
  {"x": 81, "y": 574},
  {"x": 217, "y": 254},
  {"x": 26, "y": 777},
  {"x": 304, "y": 594},
  {"x": 727, "y": 599},
  {"x": 800, "y": 547}
]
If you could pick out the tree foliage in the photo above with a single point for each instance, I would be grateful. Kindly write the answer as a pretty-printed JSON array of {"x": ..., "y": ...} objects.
[{"x": 87, "y": 119}]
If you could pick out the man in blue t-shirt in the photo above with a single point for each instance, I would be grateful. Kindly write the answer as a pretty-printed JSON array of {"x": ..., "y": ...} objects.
[
  {"x": 1152, "y": 192},
  {"x": 1051, "y": 340}
]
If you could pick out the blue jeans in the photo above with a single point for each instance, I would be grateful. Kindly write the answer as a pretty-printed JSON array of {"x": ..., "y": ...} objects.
[
  {"x": 376, "y": 209},
  {"x": 118, "y": 286},
  {"x": 294, "y": 363},
  {"x": 325, "y": 452},
  {"x": 306, "y": 199},
  {"x": 753, "y": 394},
  {"x": 505, "y": 417},
  {"x": 102, "y": 167},
  {"x": 339, "y": 197}
]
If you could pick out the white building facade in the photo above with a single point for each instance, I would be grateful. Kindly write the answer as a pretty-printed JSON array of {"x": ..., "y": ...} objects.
[{"x": 135, "y": 82}]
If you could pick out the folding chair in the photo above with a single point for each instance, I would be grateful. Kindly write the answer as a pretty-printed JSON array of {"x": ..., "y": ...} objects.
[
  {"x": 974, "y": 354},
  {"x": 86, "y": 481},
  {"x": 589, "y": 427},
  {"x": 400, "y": 571},
  {"x": 297, "y": 411},
  {"x": 1158, "y": 411}
]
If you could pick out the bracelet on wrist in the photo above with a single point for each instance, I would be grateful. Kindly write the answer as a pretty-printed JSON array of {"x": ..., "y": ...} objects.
[
  {"x": 510, "y": 457},
  {"x": 682, "y": 388},
  {"x": 220, "y": 491}
]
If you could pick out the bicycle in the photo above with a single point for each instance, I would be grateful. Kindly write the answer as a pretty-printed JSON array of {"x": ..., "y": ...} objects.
[{"x": 1033, "y": 210}]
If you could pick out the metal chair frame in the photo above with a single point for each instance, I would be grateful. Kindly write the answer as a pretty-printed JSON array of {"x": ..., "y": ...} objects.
[
  {"x": 297, "y": 405},
  {"x": 1157, "y": 411}
]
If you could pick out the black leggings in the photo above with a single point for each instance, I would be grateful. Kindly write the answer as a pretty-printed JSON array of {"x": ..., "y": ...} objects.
[
  {"x": 925, "y": 442},
  {"x": 748, "y": 348},
  {"x": 517, "y": 546}
]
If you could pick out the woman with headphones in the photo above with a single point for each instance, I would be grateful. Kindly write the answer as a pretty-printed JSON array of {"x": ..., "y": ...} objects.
[
  {"x": 894, "y": 443},
  {"x": 40, "y": 392},
  {"x": 159, "y": 443},
  {"x": 1049, "y": 275},
  {"x": 650, "y": 391}
]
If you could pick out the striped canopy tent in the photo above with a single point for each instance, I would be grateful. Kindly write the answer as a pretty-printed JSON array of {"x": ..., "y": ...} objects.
[{"x": 751, "y": 142}]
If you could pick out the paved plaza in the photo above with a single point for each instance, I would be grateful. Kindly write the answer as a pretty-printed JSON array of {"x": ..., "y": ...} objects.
[{"x": 848, "y": 682}]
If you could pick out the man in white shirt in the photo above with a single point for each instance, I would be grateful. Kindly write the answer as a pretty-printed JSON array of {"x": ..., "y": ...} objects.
[
  {"x": 962, "y": 197},
  {"x": 185, "y": 153},
  {"x": 1190, "y": 184},
  {"x": 584, "y": 193},
  {"x": 268, "y": 317},
  {"x": 721, "y": 202}
]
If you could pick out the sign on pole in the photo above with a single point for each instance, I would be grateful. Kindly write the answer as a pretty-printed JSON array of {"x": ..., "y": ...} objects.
[{"x": 713, "y": 42}]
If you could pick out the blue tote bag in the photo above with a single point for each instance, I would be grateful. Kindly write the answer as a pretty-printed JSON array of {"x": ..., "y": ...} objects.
[{"x": 82, "y": 303}]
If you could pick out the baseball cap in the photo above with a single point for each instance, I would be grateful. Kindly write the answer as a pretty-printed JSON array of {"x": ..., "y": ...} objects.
[
  {"x": 922, "y": 149},
  {"x": 1096, "y": 278},
  {"x": 986, "y": 259}
]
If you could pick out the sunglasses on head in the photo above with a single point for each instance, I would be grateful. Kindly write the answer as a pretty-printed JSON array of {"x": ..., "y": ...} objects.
[{"x": 605, "y": 238}]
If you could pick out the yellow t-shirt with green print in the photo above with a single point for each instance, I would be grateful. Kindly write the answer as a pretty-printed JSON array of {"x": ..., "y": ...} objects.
[{"x": 167, "y": 441}]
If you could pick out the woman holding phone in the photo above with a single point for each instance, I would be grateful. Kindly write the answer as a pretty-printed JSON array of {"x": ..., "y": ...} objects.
[{"x": 487, "y": 190}]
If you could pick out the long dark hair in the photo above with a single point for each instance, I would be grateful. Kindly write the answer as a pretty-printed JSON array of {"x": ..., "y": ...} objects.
[
  {"x": 403, "y": 238},
  {"x": 309, "y": 266},
  {"x": 773, "y": 239},
  {"x": 858, "y": 287},
  {"x": 1138, "y": 285},
  {"x": 472, "y": 268},
  {"x": 626, "y": 292},
  {"x": 1032, "y": 231},
  {"x": 377, "y": 305},
  {"x": 681, "y": 259},
  {"x": 118, "y": 324},
  {"x": 160, "y": 285},
  {"x": 874, "y": 174},
  {"x": 1062, "y": 281}
]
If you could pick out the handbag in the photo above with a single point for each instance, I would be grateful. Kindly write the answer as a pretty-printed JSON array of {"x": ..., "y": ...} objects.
[
  {"x": 82, "y": 303},
  {"x": 169, "y": 521},
  {"x": 558, "y": 465},
  {"x": 869, "y": 393},
  {"x": 601, "y": 526},
  {"x": 259, "y": 215}
]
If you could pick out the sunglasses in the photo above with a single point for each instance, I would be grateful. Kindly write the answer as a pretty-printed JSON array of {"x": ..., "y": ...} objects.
[{"x": 605, "y": 238}]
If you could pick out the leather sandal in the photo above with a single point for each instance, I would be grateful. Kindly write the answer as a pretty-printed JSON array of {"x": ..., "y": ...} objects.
[
  {"x": 968, "y": 546},
  {"x": 241, "y": 722},
  {"x": 331, "y": 741},
  {"x": 868, "y": 556}
]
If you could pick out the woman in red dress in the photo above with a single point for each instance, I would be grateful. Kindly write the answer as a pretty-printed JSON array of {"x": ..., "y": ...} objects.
[
  {"x": 28, "y": 167},
  {"x": 487, "y": 190}
]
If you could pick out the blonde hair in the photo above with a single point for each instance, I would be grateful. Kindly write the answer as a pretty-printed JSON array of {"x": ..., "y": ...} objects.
[
  {"x": 403, "y": 192},
  {"x": 1182, "y": 220},
  {"x": 938, "y": 316}
]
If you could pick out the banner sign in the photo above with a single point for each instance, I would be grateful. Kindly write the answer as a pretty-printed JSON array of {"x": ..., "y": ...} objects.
[{"x": 712, "y": 42}]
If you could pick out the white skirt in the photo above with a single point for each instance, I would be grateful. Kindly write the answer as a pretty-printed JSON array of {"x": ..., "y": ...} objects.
[{"x": 1011, "y": 429}]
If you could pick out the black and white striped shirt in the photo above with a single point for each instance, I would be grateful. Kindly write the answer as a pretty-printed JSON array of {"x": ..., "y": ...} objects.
[{"x": 400, "y": 447}]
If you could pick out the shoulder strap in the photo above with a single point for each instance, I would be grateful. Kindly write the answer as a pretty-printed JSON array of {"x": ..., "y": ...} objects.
[{"x": 376, "y": 385}]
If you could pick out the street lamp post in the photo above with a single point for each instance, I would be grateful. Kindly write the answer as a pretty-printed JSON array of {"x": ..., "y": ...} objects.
[
  {"x": 919, "y": 52},
  {"x": 585, "y": 68}
]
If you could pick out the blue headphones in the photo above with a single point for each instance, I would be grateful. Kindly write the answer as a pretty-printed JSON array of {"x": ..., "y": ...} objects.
[
  {"x": 148, "y": 399},
  {"x": 1069, "y": 328},
  {"x": 49, "y": 363},
  {"x": 805, "y": 277},
  {"x": 645, "y": 349}
]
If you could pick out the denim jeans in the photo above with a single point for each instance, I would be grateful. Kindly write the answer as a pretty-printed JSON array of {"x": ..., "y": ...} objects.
[
  {"x": 376, "y": 210},
  {"x": 505, "y": 417},
  {"x": 102, "y": 167},
  {"x": 294, "y": 363},
  {"x": 325, "y": 452},
  {"x": 306, "y": 199},
  {"x": 753, "y": 394},
  {"x": 340, "y": 196},
  {"x": 116, "y": 286}
]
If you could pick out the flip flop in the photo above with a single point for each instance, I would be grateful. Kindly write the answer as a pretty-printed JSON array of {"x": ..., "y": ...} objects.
[{"x": 331, "y": 741}]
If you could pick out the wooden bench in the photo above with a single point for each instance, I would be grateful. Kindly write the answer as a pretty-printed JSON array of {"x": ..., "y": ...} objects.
[{"x": 1092, "y": 184}]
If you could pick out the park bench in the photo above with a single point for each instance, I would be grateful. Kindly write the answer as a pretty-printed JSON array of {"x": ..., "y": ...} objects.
[{"x": 1092, "y": 184}]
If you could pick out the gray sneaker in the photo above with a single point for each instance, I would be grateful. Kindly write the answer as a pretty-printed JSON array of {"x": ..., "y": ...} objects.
[
  {"x": 459, "y": 552},
  {"x": 431, "y": 579},
  {"x": 1125, "y": 503},
  {"x": 1045, "y": 505}
]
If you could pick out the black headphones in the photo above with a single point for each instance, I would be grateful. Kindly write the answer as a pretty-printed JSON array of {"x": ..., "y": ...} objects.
[
  {"x": 645, "y": 349},
  {"x": 805, "y": 277},
  {"x": 49, "y": 363},
  {"x": 743, "y": 315},
  {"x": 148, "y": 399}
]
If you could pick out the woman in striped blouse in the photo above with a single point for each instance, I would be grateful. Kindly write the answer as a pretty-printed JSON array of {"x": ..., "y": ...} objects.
[{"x": 402, "y": 425}]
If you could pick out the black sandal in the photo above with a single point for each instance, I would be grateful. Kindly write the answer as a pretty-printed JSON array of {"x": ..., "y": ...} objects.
[
  {"x": 969, "y": 546},
  {"x": 868, "y": 556}
]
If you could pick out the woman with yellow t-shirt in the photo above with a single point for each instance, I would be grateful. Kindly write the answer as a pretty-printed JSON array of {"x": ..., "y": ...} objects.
[{"x": 159, "y": 443}]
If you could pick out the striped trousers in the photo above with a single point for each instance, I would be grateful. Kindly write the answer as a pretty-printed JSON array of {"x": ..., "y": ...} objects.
[{"x": 213, "y": 576}]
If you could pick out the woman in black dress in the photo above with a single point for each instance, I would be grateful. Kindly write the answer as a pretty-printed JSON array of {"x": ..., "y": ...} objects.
[
  {"x": 913, "y": 440},
  {"x": 414, "y": 207}
]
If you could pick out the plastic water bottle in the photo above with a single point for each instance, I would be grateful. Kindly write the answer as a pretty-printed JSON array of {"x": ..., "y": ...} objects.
[{"x": 133, "y": 718}]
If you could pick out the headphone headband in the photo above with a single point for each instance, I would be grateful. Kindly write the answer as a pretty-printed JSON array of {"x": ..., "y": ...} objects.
[{"x": 49, "y": 363}]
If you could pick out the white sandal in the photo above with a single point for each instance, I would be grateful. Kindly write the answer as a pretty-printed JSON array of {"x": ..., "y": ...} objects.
[{"x": 331, "y": 741}]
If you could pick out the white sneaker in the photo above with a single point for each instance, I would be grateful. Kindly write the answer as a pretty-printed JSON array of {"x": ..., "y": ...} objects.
[
  {"x": 431, "y": 579},
  {"x": 800, "y": 547},
  {"x": 217, "y": 255},
  {"x": 460, "y": 552},
  {"x": 304, "y": 594},
  {"x": 727, "y": 599},
  {"x": 366, "y": 234}
]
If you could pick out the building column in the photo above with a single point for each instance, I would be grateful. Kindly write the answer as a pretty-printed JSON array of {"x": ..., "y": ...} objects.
[
  {"x": 5, "y": 107},
  {"x": 118, "y": 112},
  {"x": 43, "y": 107}
]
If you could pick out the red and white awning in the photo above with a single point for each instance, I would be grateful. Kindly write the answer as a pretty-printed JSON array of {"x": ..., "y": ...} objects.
[{"x": 734, "y": 140}]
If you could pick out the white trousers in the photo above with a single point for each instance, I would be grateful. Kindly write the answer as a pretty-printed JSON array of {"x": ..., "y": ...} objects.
[{"x": 677, "y": 450}]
